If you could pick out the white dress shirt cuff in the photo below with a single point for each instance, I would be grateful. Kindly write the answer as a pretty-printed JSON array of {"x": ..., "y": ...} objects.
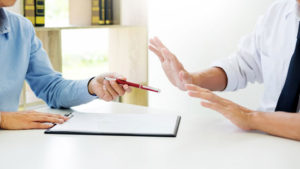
[{"x": 230, "y": 73}]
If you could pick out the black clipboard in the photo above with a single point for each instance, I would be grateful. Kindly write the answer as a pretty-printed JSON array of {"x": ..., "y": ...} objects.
[{"x": 121, "y": 124}]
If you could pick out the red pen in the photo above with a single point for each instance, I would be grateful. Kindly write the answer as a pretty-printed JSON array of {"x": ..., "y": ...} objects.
[{"x": 120, "y": 81}]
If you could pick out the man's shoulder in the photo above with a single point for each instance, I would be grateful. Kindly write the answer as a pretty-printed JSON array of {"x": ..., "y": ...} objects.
[{"x": 18, "y": 21}]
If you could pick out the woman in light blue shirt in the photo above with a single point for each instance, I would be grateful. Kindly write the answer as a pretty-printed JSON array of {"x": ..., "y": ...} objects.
[{"x": 22, "y": 57}]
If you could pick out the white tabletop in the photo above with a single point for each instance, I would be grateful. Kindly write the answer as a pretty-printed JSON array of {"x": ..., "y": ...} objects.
[{"x": 205, "y": 140}]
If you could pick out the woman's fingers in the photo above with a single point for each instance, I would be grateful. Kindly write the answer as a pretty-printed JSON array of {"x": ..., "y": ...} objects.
[
  {"x": 157, "y": 52},
  {"x": 166, "y": 54},
  {"x": 206, "y": 96},
  {"x": 198, "y": 92},
  {"x": 155, "y": 44},
  {"x": 158, "y": 42},
  {"x": 213, "y": 106},
  {"x": 196, "y": 88},
  {"x": 170, "y": 57}
]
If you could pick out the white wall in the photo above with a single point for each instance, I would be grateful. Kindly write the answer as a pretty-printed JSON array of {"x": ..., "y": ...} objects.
[{"x": 199, "y": 32}]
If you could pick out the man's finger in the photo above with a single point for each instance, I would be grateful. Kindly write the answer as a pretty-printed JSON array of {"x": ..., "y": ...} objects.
[
  {"x": 44, "y": 118},
  {"x": 57, "y": 116},
  {"x": 127, "y": 88},
  {"x": 113, "y": 75},
  {"x": 109, "y": 88},
  {"x": 116, "y": 87},
  {"x": 121, "y": 77},
  {"x": 156, "y": 52},
  {"x": 37, "y": 125},
  {"x": 35, "y": 113},
  {"x": 100, "y": 91},
  {"x": 107, "y": 96}
]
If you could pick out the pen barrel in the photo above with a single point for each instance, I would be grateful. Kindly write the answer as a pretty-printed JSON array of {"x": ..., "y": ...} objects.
[
  {"x": 124, "y": 82},
  {"x": 150, "y": 89},
  {"x": 119, "y": 81}
]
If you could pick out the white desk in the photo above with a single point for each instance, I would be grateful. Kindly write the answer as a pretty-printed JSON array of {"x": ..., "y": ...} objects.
[{"x": 205, "y": 140}]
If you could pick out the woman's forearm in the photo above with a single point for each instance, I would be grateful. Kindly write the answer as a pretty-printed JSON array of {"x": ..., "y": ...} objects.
[{"x": 214, "y": 79}]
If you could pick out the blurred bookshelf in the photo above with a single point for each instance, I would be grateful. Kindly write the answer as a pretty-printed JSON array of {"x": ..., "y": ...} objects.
[{"x": 127, "y": 42}]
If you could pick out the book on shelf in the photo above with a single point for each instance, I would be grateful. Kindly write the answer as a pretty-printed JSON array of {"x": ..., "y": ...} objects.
[
  {"x": 108, "y": 12},
  {"x": 39, "y": 12},
  {"x": 95, "y": 12},
  {"x": 102, "y": 12},
  {"x": 34, "y": 10},
  {"x": 29, "y": 10}
]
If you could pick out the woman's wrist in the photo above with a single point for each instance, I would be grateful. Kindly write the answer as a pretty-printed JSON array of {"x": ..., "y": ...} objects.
[
  {"x": 253, "y": 118},
  {"x": 197, "y": 78}
]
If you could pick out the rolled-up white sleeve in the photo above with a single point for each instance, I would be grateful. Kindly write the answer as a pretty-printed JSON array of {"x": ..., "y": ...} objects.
[{"x": 244, "y": 66}]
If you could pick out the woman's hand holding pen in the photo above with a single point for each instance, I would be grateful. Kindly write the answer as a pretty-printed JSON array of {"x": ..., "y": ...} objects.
[{"x": 107, "y": 90}]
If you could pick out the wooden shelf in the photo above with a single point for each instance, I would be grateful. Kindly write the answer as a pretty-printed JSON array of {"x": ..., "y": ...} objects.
[{"x": 57, "y": 28}]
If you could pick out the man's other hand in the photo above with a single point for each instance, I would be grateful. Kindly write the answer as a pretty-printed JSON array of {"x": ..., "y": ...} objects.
[{"x": 29, "y": 120}]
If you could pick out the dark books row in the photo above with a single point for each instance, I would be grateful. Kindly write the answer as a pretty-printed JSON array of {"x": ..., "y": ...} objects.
[
  {"x": 34, "y": 10},
  {"x": 102, "y": 12}
]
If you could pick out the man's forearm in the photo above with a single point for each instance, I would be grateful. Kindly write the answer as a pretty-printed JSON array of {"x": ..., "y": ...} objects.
[
  {"x": 278, "y": 123},
  {"x": 214, "y": 79}
]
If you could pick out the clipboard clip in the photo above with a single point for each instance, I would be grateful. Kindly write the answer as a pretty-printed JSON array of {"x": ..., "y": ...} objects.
[{"x": 69, "y": 115}]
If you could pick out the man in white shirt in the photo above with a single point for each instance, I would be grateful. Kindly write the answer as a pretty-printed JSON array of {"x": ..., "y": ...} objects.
[{"x": 268, "y": 55}]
